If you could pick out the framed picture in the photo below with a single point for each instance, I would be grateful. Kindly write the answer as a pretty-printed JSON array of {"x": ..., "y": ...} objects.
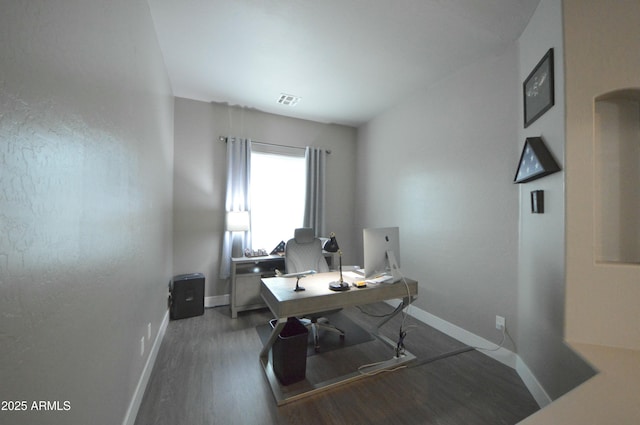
[
  {"x": 538, "y": 89},
  {"x": 535, "y": 162}
]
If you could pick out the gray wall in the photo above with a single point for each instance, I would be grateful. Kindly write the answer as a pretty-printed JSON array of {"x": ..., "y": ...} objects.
[
  {"x": 200, "y": 178},
  {"x": 440, "y": 166},
  {"x": 86, "y": 133},
  {"x": 444, "y": 163},
  {"x": 541, "y": 259}
]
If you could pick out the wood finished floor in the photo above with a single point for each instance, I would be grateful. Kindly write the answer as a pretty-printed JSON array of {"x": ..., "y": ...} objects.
[{"x": 207, "y": 372}]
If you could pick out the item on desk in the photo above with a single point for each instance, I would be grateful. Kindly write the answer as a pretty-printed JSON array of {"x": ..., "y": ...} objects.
[
  {"x": 298, "y": 276},
  {"x": 255, "y": 253},
  {"x": 340, "y": 285},
  {"x": 352, "y": 276},
  {"x": 332, "y": 244},
  {"x": 383, "y": 278},
  {"x": 299, "y": 288},
  {"x": 360, "y": 284}
]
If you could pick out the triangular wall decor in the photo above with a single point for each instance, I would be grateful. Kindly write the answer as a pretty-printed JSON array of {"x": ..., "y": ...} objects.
[{"x": 535, "y": 161}]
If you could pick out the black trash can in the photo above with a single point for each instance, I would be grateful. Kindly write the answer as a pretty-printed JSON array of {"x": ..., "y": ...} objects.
[
  {"x": 289, "y": 352},
  {"x": 186, "y": 296}
]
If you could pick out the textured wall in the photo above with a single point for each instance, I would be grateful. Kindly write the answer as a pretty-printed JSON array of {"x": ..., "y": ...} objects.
[{"x": 86, "y": 148}]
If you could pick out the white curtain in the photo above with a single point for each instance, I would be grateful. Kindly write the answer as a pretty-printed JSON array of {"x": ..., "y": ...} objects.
[
  {"x": 315, "y": 193},
  {"x": 237, "y": 196}
]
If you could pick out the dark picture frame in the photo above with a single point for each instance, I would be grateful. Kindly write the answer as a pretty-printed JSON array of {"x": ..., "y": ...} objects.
[
  {"x": 538, "y": 89},
  {"x": 536, "y": 161}
]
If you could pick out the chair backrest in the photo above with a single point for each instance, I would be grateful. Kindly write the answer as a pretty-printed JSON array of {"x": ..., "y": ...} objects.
[{"x": 304, "y": 252}]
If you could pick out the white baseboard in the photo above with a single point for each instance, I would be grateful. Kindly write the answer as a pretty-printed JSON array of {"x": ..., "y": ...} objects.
[
  {"x": 532, "y": 384},
  {"x": 217, "y": 300},
  {"x": 136, "y": 400},
  {"x": 504, "y": 356}
]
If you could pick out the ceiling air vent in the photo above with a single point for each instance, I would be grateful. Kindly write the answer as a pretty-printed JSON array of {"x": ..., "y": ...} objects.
[{"x": 288, "y": 99}]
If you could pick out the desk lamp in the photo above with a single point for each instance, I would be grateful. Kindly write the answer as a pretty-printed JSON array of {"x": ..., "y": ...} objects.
[
  {"x": 332, "y": 246},
  {"x": 237, "y": 221}
]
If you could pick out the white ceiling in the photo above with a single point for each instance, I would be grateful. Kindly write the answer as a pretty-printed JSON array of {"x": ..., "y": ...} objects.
[{"x": 348, "y": 60}]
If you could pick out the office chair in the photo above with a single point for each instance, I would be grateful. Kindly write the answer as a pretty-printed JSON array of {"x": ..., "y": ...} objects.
[{"x": 304, "y": 252}]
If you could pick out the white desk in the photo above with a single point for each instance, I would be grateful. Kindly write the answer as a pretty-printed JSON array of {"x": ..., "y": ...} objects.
[
  {"x": 284, "y": 302},
  {"x": 246, "y": 273}
]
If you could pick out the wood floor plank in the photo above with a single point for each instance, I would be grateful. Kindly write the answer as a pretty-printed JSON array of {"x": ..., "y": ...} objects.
[{"x": 207, "y": 372}]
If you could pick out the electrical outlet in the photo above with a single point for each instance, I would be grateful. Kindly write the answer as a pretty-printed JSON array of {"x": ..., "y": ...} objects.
[
  {"x": 500, "y": 323},
  {"x": 141, "y": 346},
  {"x": 148, "y": 331}
]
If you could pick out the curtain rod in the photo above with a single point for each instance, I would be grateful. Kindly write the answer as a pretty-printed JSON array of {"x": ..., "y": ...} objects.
[{"x": 224, "y": 139}]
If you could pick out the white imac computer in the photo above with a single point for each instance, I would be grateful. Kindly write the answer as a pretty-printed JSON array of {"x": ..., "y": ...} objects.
[{"x": 382, "y": 252}]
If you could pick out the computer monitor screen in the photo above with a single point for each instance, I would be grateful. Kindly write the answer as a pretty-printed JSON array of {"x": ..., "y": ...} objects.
[{"x": 377, "y": 242}]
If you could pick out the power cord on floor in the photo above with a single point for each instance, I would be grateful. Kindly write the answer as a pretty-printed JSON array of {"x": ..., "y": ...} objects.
[
  {"x": 462, "y": 350},
  {"x": 441, "y": 356},
  {"x": 361, "y": 368}
]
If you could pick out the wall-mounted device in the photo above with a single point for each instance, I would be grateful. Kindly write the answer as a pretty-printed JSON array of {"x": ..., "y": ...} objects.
[{"x": 537, "y": 202}]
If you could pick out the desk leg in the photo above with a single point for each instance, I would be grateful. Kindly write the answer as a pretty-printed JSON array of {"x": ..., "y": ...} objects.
[{"x": 264, "y": 354}]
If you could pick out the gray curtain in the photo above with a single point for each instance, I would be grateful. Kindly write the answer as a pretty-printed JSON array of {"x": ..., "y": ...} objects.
[
  {"x": 315, "y": 193},
  {"x": 237, "y": 195}
]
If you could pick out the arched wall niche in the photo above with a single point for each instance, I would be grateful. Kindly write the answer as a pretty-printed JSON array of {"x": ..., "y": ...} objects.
[{"x": 617, "y": 176}]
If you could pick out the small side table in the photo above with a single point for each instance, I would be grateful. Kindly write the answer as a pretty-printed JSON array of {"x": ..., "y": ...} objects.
[{"x": 246, "y": 275}]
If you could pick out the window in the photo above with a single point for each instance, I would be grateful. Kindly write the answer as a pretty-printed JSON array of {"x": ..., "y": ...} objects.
[{"x": 277, "y": 194}]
